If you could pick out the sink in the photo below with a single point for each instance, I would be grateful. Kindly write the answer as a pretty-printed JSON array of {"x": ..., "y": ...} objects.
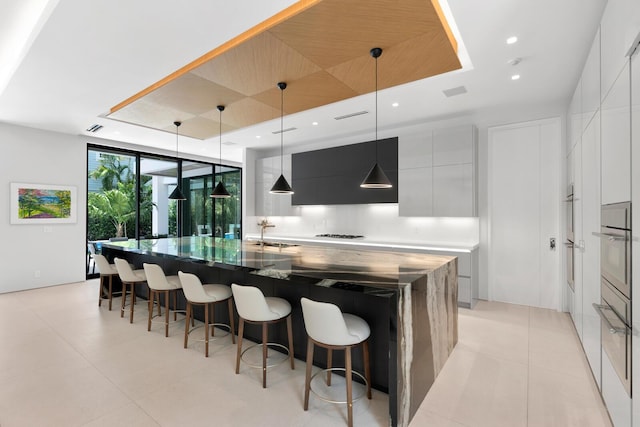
[{"x": 276, "y": 244}]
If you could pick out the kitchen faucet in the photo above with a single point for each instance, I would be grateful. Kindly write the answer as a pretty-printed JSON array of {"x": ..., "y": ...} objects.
[{"x": 264, "y": 224}]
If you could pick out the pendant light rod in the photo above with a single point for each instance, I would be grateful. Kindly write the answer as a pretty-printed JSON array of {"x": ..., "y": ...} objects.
[
  {"x": 376, "y": 178},
  {"x": 281, "y": 185},
  {"x": 220, "y": 192},
  {"x": 176, "y": 194}
]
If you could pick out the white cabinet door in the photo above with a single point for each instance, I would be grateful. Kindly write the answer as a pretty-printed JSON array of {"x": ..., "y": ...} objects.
[
  {"x": 616, "y": 141},
  {"x": 574, "y": 129},
  {"x": 635, "y": 222},
  {"x": 591, "y": 83},
  {"x": 453, "y": 190},
  {"x": 577, "y": 314},
  {"x": 453, "y": 146},
  {"x": 591, "y": 252},
  {"x": 415, "y": 151},
  {"x": 619, "y": 27},
  {"x": 614, "y": 395},
  {"x": 415, "y": 195}
]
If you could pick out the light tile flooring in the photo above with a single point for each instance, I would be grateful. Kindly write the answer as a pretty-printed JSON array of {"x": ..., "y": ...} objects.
[{"x": 66, "y": 362}]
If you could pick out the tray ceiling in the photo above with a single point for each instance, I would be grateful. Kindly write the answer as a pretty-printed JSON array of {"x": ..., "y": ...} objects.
[{"x": 319, "y": 48}]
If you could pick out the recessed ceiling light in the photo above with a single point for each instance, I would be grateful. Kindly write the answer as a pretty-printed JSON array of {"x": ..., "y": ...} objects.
[
  {"x": 315, "y": 123},
  {"x": 512, "y": 40},
  {"x": 395, "y": 104},
  {"x": 257, "y": 136},
  {"x": 515, "y": 77}
]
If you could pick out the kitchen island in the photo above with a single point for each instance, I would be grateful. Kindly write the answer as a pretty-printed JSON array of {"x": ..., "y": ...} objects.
[{"x": 409, "y": 300}]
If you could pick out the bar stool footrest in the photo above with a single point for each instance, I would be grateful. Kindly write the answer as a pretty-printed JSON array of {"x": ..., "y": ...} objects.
[
  {"x": 285, "y": 356},
  {"x": 341, "y": 386}
]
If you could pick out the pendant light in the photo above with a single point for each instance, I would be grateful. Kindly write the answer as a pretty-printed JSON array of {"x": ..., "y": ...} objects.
[
  {"x": 220, "y": 192},
  {"x": 177, "y": 193},
  {"x": 281, "y": 186},
  {"x": 376, "y": 177}
]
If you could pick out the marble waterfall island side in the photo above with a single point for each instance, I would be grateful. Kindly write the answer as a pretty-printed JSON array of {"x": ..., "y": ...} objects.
[{"x": 408, "y": 299}]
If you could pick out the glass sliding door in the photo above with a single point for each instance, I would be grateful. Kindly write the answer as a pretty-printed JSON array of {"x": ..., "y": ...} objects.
[
  {"x": 197, "y": 185},
  {"x": 228, "y": 212},
  {"x": 158, "y": 214}
]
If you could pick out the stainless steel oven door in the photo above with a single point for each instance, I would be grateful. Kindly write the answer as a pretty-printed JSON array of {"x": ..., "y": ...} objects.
[
  {"x": 615, "y": 312},
  {"x": 615, "y": 258},
  {"x": 569, "y": 200}
]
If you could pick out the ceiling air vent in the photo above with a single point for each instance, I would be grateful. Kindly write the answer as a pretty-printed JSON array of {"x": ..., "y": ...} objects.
[
  {"x": 348, "y": 116},
  {"x": 95, "y": 128},
  {"x": 275, "y": 132},
  {"x": 454, "y": 91}
]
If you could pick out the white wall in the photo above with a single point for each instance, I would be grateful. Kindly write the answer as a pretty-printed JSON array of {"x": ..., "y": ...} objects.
[{"x": 34, "y": 156}]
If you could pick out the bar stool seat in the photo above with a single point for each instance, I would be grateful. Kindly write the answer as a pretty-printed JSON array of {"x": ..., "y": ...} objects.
[
  {"x": 208, "y": 295},
  {"x": 254, "y": 307},
  {"x": 328, "y": 327},
  {"x": 161, "y": 284},
  {"x": 129, "y": 278},
  {"x": 107, "y": 271}
]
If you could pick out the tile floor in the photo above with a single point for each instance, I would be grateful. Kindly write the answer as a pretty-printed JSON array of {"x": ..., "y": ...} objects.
[{"x": 66, "y": 362}]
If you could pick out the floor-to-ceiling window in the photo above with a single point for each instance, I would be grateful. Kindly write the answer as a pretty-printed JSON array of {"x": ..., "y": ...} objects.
[{"x": 128, "y": 197}]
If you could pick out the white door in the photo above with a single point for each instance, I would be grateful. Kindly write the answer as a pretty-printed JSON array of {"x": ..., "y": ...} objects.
[{"x": 524, "y": 213}]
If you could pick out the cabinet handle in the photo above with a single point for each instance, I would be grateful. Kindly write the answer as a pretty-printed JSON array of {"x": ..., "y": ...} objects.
[
  {"x": 612, "y": 329},
  {"x": 610, "y": 236}
]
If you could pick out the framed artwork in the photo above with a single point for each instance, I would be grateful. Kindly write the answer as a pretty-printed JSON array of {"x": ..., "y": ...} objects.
[{"x": 43, "y": 204}]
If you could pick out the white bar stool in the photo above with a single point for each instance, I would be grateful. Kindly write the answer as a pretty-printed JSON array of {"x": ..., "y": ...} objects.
[
  {"x": 129, "y": 278},
  {"x": 198, "y": 294},
  {"x": 328, "y": 327},
  {"x": 254, "y": 307},
  {"x": 161, "y": 284},
  {"x": 106, "y": 271}
]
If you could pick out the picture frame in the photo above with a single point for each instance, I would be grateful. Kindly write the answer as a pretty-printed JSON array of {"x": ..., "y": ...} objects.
[{"x": 43, "y": 204}]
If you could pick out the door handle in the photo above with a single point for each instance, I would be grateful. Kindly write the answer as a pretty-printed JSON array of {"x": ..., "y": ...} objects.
[
  {"x": 610, "y": 236},
  {"x": 612, "y": 329}
]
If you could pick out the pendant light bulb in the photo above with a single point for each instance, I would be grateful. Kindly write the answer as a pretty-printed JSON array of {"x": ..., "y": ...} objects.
[
  {"x": 376, "y": 178},
  {"x": 281, "y": 185},
  {"x": 220, "y": 192},
  {"x": 176, "y": 194}
]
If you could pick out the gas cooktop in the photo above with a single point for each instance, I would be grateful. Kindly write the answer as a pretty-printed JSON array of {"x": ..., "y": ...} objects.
[{"x": 340, "y": 236}]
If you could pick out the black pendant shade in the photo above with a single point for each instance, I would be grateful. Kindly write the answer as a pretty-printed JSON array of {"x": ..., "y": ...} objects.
[
  {"x": 177, "y": 193},
  {"x": 281, "y": 186},
  {"x": 220, "y": 192},
  {"x": 376, "y": 178}
]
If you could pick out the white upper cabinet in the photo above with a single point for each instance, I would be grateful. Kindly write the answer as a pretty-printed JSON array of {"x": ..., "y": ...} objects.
[
  {"x": 574, "y": 128},
  {"x": 619, "y": 27},
  {"x": 267, "y": 172},
  {"x": 436, "y": 173},
  {"x": 616, "y": 141},
  {"x": 415, "y": 151},
  {"x": 591, "y": 83}
]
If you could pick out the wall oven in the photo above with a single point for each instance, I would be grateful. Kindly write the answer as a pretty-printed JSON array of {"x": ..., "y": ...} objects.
[{"x": 615, "y": 288}]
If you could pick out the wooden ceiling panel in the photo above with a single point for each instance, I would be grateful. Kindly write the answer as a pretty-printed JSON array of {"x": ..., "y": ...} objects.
[
  {"x": 149, "y": 114},
  {"x": 257, "y": 65},
  {"x": 245, "y": 112},
  {"x": 193, "y": 94},
  {"x": 319, "y": 48}
]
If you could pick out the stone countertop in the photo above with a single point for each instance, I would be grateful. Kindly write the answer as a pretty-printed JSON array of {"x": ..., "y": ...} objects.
[
  {"x": 331, "y": 266},
  {"x": 364, "y": 242}
]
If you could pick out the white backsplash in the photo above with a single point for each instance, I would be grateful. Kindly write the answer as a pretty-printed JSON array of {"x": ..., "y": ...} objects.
[{"x": 379, "y": 222}]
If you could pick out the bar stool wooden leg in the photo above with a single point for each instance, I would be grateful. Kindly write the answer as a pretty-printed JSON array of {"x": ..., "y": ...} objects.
[
  {"x": 307, "y": 381},
  {"x": 213, "y": 319},
  {"x": 152, "y": 295},
  {"x": 329, "y": 365},
  {"x": 367, "y": 369},
  {"x": 186, "y": 325},
  {"x": 166, "y": 309},
  {"x": 100, "y": 291},
  {"x": 347, "y": 357},
  {"x": 133, "y": 302},
  {"x": 231, "y": 321},
  {"x": 206, "y": 330},
  {"x": 175, "y": 306},
  {"x": 124, "y": 298},
  {"x": 264, "y": 355},
  {"x": 110, "y": 290},
  {"x": 239, "y": 352},
  {"x": 290, "y": 337}
]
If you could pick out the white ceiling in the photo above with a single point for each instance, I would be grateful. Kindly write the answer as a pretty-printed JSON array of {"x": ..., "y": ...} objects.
[{"x": 70, "y": 61}]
